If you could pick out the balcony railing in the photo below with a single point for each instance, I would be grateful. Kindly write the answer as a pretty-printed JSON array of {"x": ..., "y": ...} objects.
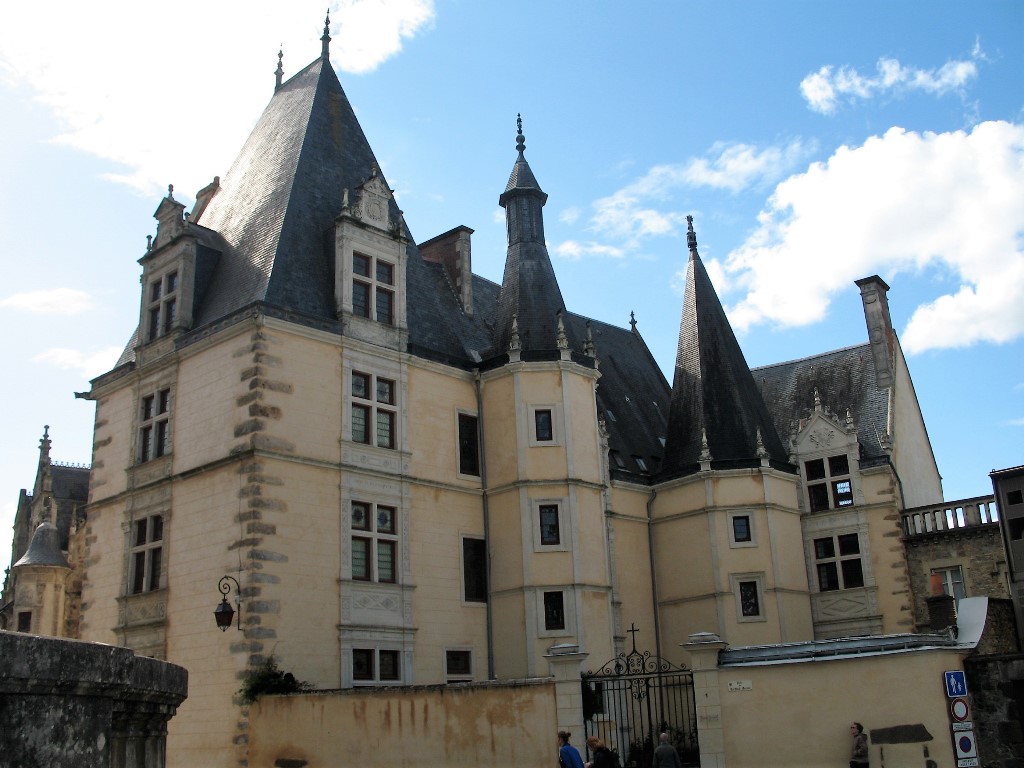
[{"x": 950, "y": 516}]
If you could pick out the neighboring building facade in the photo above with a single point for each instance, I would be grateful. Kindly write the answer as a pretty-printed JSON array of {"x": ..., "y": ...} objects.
[
  {"x": 1008, "y": 487},
  {"x": 419, "y": 476},
  {"x": 42, "y": 588}
]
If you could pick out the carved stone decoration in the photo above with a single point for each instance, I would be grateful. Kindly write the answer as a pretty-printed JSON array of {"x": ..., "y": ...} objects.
[{"x": 822, "y": 437}]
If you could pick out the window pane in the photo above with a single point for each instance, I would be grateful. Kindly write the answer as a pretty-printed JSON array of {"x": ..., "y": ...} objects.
[
  {"x": 361, "y": 559},
  {"x": 469, "y": 453},
  {"x": 140, "y": 532},
  {"x": 362, "y": 664},
  {"x": 838, "y": 465},
  {"x": 161, "y": 444},
  {"x": 361, "y": 264},
  {"x": 458, "y": 662},
  {"x": 386, "y": 561},
  {"x": 360, "y": 427},
  {"x": 164, "y": 401},
  {"x": 154, "y": 569},
  {"x": 154, "y": 323},
  {"x": 360, "y": 299},
  {"x": 549, "y": 533},
  {"x": 24, "y": 621},
  {"x": 815, "y": 470},
  {"x": 554, "y": 611},
  {"x": 172, "y": 282},
  {"x": 474, "y": 570},
  {"x": 170, "y": 314},
  {"x": 389, "y": 665},
  {"x": 385, "y": 273},
  {"x": 361, "y": 385},
  {"x": 853, "y": 574},
  {"x": 138, "y": 572},
  {"x": 155, "y": 290},
  {"x": 741, "y": 528},
  {"x": 385, "y": 519},
  {"x": 385, "y": 429},
  {"x": 360, "y": 516},
  {"x": 819, "y": 497},
  {"x": 750, "y": 604},
  {"x": 843, "y": 493},
  {"x": 849, "y": 544},
  {"x": 385, "y": 391},
  {"x": 145, "y": 444},
  {"x": 156, "y": 528},
  {"x": 542, "y": 420},
  {"x": 824, "y": 548},
  {"x": 828, "y": 577},
  {"x": 147, "y": 407},
  {"x": 385, "y": 306}
]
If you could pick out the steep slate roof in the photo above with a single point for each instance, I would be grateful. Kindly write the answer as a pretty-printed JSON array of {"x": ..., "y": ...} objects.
[
  {"x": 713, "y": 390},
  {"x": 845, "y": 379}
]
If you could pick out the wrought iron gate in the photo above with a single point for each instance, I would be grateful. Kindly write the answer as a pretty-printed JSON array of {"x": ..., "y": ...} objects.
[{"x": 634, "y": 698}]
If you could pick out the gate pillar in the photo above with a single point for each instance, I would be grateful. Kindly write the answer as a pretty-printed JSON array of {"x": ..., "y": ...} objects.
[
  {"x": 703, "y": 648},
  {"x": 566, "y": 664}
]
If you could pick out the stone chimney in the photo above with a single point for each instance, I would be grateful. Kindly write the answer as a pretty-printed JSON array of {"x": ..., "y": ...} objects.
[
  {"x": 941, "y": 607},
  {"x": 883, "y": 341},
  {"x": 452, "y": 250}
]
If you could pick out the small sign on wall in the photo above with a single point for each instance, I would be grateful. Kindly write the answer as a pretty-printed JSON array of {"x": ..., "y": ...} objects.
[{"x": 741, "y": 685}]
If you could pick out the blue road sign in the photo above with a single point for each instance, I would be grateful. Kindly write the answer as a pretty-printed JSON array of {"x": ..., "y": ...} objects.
[{"x": 956, "y": 684}]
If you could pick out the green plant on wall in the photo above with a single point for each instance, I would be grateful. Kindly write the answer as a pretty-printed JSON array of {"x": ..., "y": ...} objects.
[{"x": 268, "y": 678}]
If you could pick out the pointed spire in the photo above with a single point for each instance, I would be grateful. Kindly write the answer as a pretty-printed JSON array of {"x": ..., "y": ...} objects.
[
  {"x": 279, "y": 72},
  {"x": 529, "y": 289},
  {"x": 588, "y": 345},
  {"x": 325, "y": 41},
  {"x": 716, "y": 407},
  {"x": 632, "y": 321}
]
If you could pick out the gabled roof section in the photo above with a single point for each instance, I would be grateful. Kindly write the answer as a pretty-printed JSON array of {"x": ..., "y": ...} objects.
[
  {"x": 281, "y": 196},
  {"x": 845, "y": 378},
  {"x": 713, "y": 391}
]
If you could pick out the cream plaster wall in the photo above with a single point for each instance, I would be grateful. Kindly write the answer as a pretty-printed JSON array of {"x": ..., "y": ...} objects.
[
  {"x": 912, "y": 450},
  {"x": 798, "y": 715}
]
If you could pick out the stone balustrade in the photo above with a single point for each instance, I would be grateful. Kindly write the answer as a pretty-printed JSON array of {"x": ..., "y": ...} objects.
[{"x": 949, "y": 516}]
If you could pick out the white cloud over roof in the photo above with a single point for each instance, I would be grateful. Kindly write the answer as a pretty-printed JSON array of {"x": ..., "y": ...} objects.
[
  {"x": 51, "y": 301},
  {"x": 82, "y": 67},
  {"x": 901, "y": 202},
  {"x": 823, "y": 90}
]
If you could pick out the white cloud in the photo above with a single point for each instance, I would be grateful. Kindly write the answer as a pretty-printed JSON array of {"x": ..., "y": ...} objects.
[
  {"x": 89, "y": 365},
  {"x": 822, "y": 90},
  {"x": 643, "y": 208},
  {"x": 1016, "y": 422},
  {"x": 82, "y": 67},
  {"x": 902, "y": 202},
  {"x": 574, "y": 251},
  {"x": 570, "y": 215},
  {"x": 55, "y": 301}
]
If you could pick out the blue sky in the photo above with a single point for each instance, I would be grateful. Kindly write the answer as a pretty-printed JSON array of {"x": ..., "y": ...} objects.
[{"x": 814, "y": 144}]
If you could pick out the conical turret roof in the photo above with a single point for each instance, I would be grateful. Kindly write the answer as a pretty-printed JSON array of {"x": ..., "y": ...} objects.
[
  {"x": 714, "y": 394},
  {"x": 530, "y": 302},
  {"x": 44, "y": 549}
]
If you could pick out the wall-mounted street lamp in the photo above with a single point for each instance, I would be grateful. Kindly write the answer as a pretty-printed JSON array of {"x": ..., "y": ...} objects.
[{"x": 224, "y": 613}]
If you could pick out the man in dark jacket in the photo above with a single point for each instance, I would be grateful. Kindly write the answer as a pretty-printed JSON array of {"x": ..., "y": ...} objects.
[{"x": 665, "y": 756}]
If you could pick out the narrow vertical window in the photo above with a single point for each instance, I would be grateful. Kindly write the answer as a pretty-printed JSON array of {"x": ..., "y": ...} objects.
[
  {"x": 549, "y": 525},
  {"x": 373, "y": 294},
  {"x": 554, "y": 611},
  {"x": 373, "y": 423},
  {"x": 154, "y": 425},
  {"x": 750, "y": 601},
  {"x": 374, "y": 542},
  {"x": 741, "y": 528},
  {"x": 24, "y": 621},
  {"x": 162, "y": 306},
  {"x": 146, "y": 552},
  {"x": 469, "y": 449},
  {"x": 474, "y": 570},
  {"x": 543, "y": 425}
]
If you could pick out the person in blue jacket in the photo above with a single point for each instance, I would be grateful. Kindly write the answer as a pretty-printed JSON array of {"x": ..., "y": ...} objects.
[{"x": 568, "y": 755}]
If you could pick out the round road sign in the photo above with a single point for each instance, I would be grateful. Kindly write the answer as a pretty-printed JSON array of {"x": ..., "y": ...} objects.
[{"x": 959, "y": 709}]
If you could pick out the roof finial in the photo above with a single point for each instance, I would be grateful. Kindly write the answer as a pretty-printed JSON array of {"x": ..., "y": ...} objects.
[
  {"x": 279, "y": 72},
  {"x": 170, "y": 191},
  {"x": 817, "y": 401},
  {"x": 632, "y": 321},
  {"x": 562, "y": 341},
  {"x": 691, "y": 236},
  {"x": 588, "y": 345},
  {"x": 325, "y": 51},
  {"x": 514, "y": 342},
  {"x": 520, "y": 138}
]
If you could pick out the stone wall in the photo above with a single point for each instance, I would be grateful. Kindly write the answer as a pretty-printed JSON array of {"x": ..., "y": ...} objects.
[
  {"x": 996, "y": 687},
  {"x": 69, "y": 704}
]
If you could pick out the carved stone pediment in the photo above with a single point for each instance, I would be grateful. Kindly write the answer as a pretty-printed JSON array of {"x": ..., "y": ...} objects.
[{"x": 373, "y": 199}]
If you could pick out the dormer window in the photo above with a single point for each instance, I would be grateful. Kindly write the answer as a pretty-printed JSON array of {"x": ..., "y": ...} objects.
[
  {"x": 161, "y": 306},
  {"x": 373, "y": 288},
  {"x": 828, "y": 483}
]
